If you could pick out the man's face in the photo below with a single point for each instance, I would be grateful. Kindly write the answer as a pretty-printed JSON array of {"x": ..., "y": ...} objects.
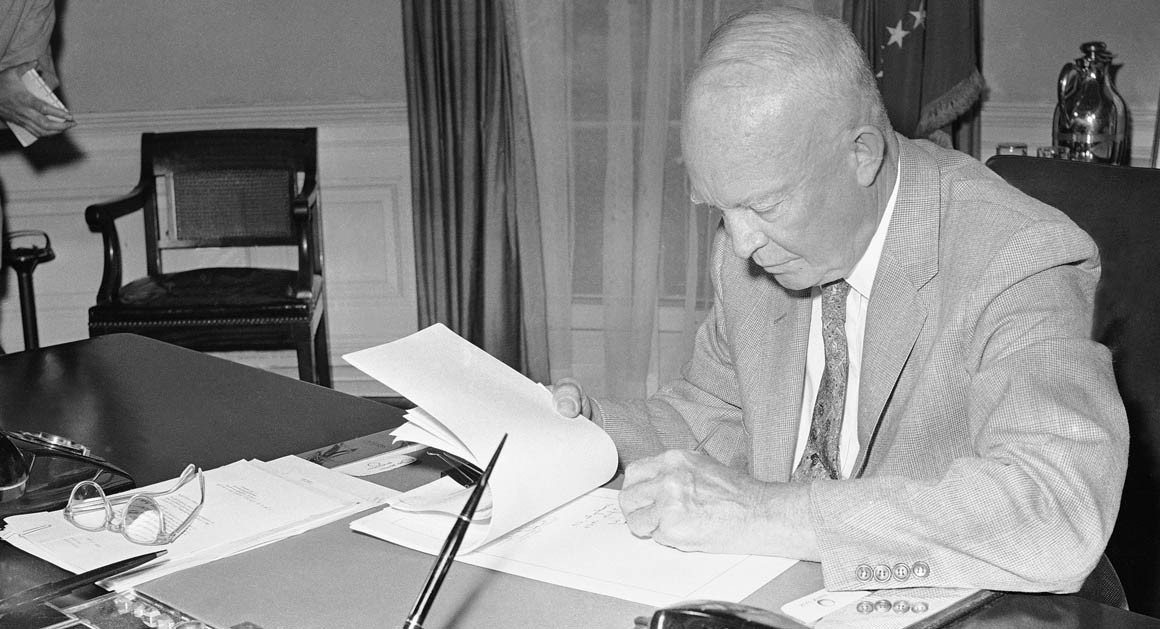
[{"x": 785, "y": 184}]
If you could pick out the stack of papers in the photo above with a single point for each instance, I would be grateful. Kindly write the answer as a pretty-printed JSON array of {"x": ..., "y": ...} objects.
[
  {"x": 548, "y": 518},
  {"x": 247, "y": 504}
]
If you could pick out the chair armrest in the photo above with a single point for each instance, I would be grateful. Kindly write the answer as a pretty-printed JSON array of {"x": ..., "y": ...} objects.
[
  {"x": 102, "y": 217},
  {"x": 309, "y": 249},
  {"x": 99, "y": 213},
  {"x": 306, "y": 202}
]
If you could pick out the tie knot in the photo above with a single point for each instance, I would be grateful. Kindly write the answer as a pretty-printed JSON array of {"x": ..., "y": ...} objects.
[
  {"x": 834, "y": 300},
  {"x": 839, "y": 287},
  {"x": 835, "y": 290}
]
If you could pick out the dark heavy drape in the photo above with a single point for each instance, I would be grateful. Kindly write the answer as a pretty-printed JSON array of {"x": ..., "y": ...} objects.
[
  {"x": 926, "y": 57},
  {"x": 478, "y": 251}
]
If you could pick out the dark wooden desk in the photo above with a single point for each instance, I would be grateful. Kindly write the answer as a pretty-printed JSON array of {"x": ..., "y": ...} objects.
[{"x": 152, "y": 407}]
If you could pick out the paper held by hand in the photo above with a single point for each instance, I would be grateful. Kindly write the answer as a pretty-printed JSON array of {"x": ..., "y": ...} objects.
[
  {"x": 38, "y": 88},
  {"x": 469, "y": 400}
]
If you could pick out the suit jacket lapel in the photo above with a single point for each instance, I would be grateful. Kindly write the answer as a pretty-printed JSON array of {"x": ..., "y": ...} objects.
[
  {"x": 782, "y": 315},
  {"x": 896, "y": 311}
]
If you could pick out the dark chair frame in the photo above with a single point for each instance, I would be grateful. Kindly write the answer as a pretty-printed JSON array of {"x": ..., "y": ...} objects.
[
  {"x": 1119, "y": 207},
  {"x": 302, "y": 327}
]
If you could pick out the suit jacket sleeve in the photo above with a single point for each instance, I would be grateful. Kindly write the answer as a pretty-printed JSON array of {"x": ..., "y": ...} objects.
[{"x": 25, "y": 31}]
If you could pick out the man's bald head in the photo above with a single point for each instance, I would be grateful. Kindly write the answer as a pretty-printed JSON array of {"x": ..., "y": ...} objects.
[
  {"x": 778, "y": 58},
  {"x": 784, "y": 132}
]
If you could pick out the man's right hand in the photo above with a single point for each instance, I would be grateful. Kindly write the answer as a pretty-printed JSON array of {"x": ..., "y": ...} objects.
[
  {"x": 569, "y": 398},
  {"x": 19, "y": 106}
]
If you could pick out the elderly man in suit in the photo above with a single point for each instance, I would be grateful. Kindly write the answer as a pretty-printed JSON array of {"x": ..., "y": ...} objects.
[{"x": 896, "y": 378}]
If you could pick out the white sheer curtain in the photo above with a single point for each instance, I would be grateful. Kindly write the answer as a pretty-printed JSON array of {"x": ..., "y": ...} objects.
[{"x": 625, "y": 251}]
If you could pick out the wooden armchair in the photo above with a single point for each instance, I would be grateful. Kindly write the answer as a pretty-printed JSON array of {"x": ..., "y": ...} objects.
[{"x": 225, "y": 189}]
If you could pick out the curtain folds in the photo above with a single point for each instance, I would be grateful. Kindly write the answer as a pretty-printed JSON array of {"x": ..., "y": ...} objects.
[
  {"x": 479, "y": 259},
  {"x": 605, "y": 82}
]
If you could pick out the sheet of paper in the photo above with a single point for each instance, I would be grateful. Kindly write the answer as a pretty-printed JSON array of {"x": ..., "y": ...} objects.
[
  {"x": 383, "y": 462},
  {"x": 587, "y": 545},
  {"x": 470, "y": 396},
  {"x": 333, "y": 482},
  {"x": 933, "y": 601},
  {"x": 812, "y": 607}
]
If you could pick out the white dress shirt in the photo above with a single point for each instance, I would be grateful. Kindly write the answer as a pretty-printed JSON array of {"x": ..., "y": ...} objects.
[{"x": 861, "y": 280}]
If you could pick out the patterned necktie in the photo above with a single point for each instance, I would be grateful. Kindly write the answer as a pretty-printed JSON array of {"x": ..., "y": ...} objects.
[{"x": 820, "y": 457}]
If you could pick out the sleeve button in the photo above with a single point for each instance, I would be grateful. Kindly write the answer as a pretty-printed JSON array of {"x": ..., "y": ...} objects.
[
  {"x": 864, "y": 572},
  {"x": 882, "y": 573},
  {"x": 901, "y": 571},
  {"x": 920, "y": 570}
]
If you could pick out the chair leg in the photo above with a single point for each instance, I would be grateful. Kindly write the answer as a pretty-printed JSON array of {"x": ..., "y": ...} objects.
[
  {"x": 304, "y": 346},
  {"x": 322, "y": 353}
]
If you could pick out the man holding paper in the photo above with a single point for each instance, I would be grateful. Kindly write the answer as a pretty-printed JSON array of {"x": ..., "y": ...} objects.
[{"x": 897, "y": 377}]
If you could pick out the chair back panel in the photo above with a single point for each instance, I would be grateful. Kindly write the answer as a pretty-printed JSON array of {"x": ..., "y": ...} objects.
[
  {"x": 229, "y": 207},
  {"x": 1119, "y": 207},
  {"x": 224, "y": 188}
]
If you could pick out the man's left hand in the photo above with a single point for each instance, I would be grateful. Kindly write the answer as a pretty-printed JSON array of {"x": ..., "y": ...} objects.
[{"x": 691, "y": 502}]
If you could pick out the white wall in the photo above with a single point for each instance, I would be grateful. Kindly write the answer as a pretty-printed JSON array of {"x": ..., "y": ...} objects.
[{"x": 163, "y": 55}]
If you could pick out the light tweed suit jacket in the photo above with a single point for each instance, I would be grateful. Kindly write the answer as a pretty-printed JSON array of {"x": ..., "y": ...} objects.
[{"x": 993, "y": 438}]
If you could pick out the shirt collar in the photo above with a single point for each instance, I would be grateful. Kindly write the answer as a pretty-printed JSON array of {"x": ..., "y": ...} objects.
[{"x": 861, "y": 277}]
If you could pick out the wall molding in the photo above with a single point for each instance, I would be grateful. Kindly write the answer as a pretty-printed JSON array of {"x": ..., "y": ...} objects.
[{"x": 342, "y": 114}]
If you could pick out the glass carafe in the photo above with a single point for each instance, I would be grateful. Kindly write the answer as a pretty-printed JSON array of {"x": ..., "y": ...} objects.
[{"x": 1090, "y": 117}]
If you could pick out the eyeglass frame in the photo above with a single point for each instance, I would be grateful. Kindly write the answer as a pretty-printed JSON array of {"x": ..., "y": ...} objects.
[{"x": 122, "y": 501}]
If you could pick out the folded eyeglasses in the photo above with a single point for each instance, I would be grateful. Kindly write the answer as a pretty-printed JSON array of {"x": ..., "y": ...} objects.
[{"x": 138, "y": 516}]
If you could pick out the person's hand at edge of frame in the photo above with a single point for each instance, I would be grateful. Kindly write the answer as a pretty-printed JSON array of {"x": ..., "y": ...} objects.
[
  {"x": 569, "y": 399},
  {"x": 19, "y": 106}
]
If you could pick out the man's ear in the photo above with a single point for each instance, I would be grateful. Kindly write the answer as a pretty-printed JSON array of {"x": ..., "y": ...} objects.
[{"x": 869, "y": 153}]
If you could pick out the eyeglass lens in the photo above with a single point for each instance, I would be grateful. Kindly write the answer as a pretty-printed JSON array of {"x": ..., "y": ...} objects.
[{"x": 88, "y": 508}]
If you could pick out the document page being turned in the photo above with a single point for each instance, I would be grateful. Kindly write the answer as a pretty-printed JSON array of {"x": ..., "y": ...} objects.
[
  {"x": 547, "y": 519},
  {"x": 469, "y": 400}
]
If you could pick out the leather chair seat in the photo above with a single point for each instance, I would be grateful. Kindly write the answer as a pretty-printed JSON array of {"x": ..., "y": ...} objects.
[
  {"x": 172, "y": 306},
  {"x": 226, "y": 289}
]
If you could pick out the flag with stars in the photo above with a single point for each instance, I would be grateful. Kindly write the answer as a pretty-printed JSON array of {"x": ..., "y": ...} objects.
[{"x": 925, "y": 54}]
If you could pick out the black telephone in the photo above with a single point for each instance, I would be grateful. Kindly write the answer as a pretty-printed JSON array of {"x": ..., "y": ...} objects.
[{"x": 39, "y": 470}]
